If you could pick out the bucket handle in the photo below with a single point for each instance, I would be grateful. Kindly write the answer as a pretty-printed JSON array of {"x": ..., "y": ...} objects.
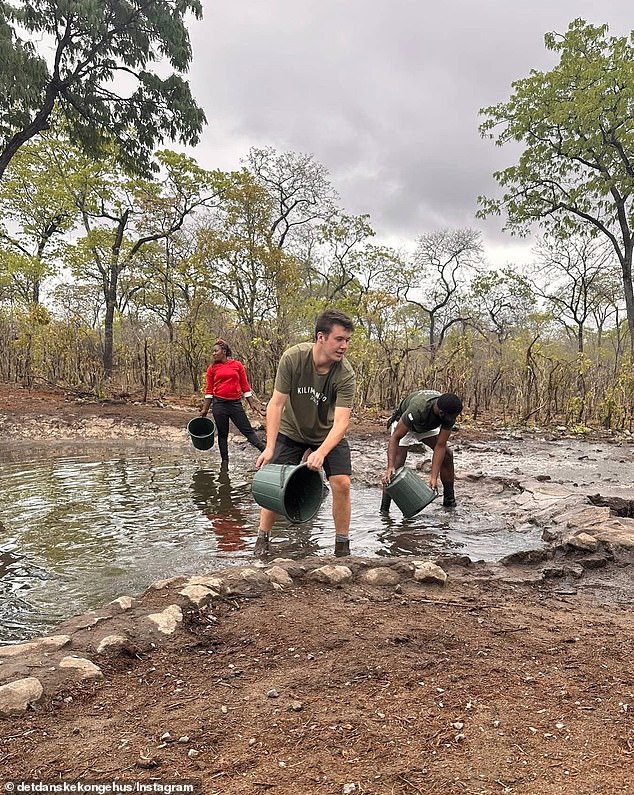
[
  {"x": 394, "y": 475},
  {"x": 283, "y": 473}
]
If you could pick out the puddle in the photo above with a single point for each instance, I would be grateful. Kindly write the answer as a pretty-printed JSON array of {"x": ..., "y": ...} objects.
[{"x": 82, "y": 523}]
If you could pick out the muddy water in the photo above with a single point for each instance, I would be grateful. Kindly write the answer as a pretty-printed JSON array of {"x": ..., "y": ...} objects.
[{"x": 81, "y": 524}]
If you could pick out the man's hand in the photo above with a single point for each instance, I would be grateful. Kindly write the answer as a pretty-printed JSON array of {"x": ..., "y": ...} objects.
[
  {"x": 433, "y": 482},
  {"x": 387, "y": 476},
  {"x": 315, "y": 460},
  {"x": 265, "y": 456}
]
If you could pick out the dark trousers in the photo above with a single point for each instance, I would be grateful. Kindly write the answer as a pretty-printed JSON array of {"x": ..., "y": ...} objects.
[{"x": 225, "y": 410}]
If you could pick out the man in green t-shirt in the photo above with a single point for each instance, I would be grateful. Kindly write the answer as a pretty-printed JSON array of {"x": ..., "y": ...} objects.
[
  {"x": 310, "y": 411},
  {"x": 424, "y": 416}
]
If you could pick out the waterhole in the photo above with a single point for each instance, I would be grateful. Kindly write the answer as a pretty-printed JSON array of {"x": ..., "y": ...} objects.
[{"x": 81, "y": 524}]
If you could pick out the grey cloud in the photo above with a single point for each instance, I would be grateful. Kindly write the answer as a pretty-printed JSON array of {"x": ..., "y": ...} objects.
[{"x": 384, "y": 94}]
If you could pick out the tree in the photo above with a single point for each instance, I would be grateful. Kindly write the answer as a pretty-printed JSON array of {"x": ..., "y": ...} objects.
[
  {"x": 501, "y": 300},
  {"x": 299, "y": 188},
  {"x": 577, "y": 127},
  {"x": 440, "y": 261},
  {"x": 99, "y": 49},
  {"x": 251, "y": 273},
  {"x": 122, "y": 217},
  {"x": 571, "y": 278},
  {"x": 37, "y": 211}
]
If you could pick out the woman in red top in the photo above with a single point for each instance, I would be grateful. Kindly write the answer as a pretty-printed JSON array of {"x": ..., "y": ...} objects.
[{"x": 227, "y": 384}]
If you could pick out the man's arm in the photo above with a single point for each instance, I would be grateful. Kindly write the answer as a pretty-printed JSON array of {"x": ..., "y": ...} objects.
[
  {"x": 392, "y": 449},
  {"x": 339, "y": 427},
  {"x": 438, "y": 456},
  {"x": 273, "y": 418}
]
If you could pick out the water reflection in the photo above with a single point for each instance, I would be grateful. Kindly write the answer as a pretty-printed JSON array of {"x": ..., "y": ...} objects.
[{"x": 213, "y": 494}]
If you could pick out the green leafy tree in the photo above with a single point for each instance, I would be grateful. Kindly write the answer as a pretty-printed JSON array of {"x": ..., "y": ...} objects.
[
  {"x": 37, "y": 211},
  {"x": 577, "y": 128},
  {"x": 123, "y": 217},
  {"x": 92, "y": 63},
  {"x": 252, "y": 274}
]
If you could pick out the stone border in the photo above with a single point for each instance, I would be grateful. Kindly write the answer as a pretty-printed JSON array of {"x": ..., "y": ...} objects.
[
  {"x": 165, "y": 614},
  {"x": 45, "y": 667}
]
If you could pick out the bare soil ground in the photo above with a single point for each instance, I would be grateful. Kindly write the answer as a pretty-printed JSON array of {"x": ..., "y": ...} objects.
[{"x": 487, "y": 685}]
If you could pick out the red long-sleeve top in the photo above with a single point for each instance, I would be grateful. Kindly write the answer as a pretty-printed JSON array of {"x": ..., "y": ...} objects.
[{"x": 227, "y": 380}]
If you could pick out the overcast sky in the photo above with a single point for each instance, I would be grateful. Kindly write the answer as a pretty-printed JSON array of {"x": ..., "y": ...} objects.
[{"x": 384, "y": 93}]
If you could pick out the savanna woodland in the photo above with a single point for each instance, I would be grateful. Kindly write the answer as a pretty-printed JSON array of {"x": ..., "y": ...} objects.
[{"x": 121, "y": 261}]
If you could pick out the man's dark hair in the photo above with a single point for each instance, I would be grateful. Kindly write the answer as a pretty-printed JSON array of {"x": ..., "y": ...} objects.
[
  {"x": 450, "y": 404},
  {"x": 330, "y": 318}
]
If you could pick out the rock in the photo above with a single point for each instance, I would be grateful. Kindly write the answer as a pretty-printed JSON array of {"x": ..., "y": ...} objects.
[
  {"x": 279, "y": 576},
  {"x": 381, "y": 576},
  {"x": 252, "y": 576},
  {"x": 198, "y": 595},
  {"x": 86, "y": 669},
  {"x": 161, "y": 585},
  {"x": 116, "y": 644},
  {"x": 214, "y": 583},
  {"x": 553, "y": 572},
  {"x": 167, "y": 621},
  {"x": 249, "y": 581},
  {"x": 332, "y": 575},
  {"x": 41, "y": 646},
  {"x": 147, "y": 762},
  {"x": 582, "y": 541},
  {"x": 526, "y": 557},
  {"x": 124, "y": 602},
  {"x": 426, "y": 571},
  {"x": 16, "y": 697},
  {"x": 574, "y": 570},
  {"x": 593, "y": 562}
]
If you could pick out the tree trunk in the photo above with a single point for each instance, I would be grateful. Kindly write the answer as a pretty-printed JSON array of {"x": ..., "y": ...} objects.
[
  {"x": 110, "y": 294},
  {"x": 628, "y": 291}
]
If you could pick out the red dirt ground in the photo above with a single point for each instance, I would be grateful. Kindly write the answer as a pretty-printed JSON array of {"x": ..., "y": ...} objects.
[{"x": 482, "y": 686}]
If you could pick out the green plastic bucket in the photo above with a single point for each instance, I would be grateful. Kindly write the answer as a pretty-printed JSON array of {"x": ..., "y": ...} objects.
[
  {"x": 410, "y": 492},
  {"x": 201, "y": 431},
  {"x": 294, "y": 491}
]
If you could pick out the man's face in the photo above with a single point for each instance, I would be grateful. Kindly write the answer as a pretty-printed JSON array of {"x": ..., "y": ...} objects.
[{"x": 335, "y": 344}]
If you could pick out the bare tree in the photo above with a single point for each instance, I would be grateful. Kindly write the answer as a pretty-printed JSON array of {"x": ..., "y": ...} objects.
[{"x": 441, "y": 263}]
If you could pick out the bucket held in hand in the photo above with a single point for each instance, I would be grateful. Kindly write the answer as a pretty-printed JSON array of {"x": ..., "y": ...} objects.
[
  {"x": 201, "y": 431},
  {"x": 410, "y": 492},
  {"x": 292, "y": 490}
]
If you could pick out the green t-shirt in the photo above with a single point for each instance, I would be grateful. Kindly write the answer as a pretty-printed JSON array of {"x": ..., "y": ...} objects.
[
  {"x": 417, "y": 412},
  {"x": 309, "y": 412}
]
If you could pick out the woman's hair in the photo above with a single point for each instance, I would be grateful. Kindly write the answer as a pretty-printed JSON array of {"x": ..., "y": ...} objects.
[{"x": 222, "y": 344}]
